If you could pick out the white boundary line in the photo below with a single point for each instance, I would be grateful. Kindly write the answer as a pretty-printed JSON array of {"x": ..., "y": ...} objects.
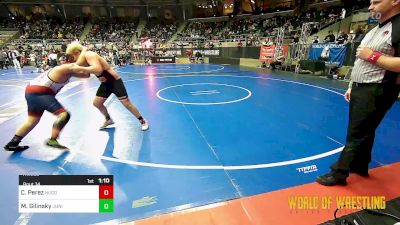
[
  {"x": 10, "y": 103},
  {"x": 68, "y": 87},
  {"x": 12, "y": 85},
  {"x": 199, "y": 92},
  {"x": 258, "y": 166},
  {"x": 24, "y": 218},
  {"x": 176, "y": 68},
  {"x": 14, "y": 101},
  {"x": 16, "y": 73},
  {"x": 160, "y": 68},
  {"x": 17, "y": 80},
  {"x": 207, "y": 93},
  {"x": 243, "y": 167},
  {"x": 197, "y": 72},
  {"x": 204, "y": 103},
  {"x": 251, "y": 77}
]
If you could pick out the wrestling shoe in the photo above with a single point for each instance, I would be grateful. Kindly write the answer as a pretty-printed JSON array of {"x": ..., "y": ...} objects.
[
  {"x": 15, "y": 147},
  {"x": 107, "y": 123},
  {"x": 145, "y": 124},
  {"x": 54, "y": 143}
]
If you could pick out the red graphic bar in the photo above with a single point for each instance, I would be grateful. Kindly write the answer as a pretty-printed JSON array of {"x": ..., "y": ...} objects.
[{"x": 106, "y": 192}]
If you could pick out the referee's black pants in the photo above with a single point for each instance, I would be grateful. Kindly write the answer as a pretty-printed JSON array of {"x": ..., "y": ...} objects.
[{"x": 368, "y": 106}]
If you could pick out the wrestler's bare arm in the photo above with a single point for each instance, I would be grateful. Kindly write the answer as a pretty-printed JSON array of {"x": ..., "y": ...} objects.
[
  {"x": 79, "y": 71},
  {"x": 81, "y": 61},
  {"x": 64, "y": 72},
  {"x": 94, "y": 63}
]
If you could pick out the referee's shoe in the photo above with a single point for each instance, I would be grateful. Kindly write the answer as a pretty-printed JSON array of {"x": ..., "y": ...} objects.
[{"x": 332, "y": 179}]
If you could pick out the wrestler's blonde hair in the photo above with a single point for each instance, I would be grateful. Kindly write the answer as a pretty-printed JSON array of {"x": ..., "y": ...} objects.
[{"x": 73, "y": 47}]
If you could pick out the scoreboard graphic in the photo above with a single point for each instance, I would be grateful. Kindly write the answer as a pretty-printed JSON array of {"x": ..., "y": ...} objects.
[{"x": 66, "y": 194}]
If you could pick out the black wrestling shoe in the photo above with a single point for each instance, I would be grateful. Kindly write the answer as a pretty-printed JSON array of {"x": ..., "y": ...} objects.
[
  {"x": 15, "y": 148},
  {"x": 54, "y": 143},
  {"x": 330, "y": 179}
]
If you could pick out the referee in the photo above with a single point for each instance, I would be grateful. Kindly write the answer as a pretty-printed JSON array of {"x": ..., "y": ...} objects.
[{"x": 373, "y": 89}]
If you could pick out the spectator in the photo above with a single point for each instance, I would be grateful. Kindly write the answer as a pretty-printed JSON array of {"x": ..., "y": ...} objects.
[
  {"x": 13, "y": 55},
  {"x": 342, "y": 38},
  {"x": 315, "y": 40},
  {"x": 199, "y": 57},
  {"x": 240, "y": 44},
  {"x": 52, "y": 59},
  {"x": 3, "y": 58},
  {"x": 296, "y": 39},
  {"x": 359, "y": 34},
  {"x": 330, "y": 37},
  {"x": 278, "y": 62}
]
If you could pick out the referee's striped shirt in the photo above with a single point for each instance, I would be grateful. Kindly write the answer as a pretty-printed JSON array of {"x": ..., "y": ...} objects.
[{"x": 384, "y": 38}]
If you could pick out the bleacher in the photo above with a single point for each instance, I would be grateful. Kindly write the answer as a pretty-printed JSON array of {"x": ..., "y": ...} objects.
[{"x": 115, "y": 35}]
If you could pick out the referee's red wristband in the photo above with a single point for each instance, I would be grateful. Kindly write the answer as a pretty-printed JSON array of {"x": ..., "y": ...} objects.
[{"x": 373, "y": 58}]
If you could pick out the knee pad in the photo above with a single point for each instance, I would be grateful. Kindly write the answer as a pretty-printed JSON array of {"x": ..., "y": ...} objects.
[{"x": 62, "y": 120}]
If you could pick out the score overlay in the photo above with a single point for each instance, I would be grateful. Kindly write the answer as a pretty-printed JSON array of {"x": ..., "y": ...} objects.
[{"x": 66, "y": 194}]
